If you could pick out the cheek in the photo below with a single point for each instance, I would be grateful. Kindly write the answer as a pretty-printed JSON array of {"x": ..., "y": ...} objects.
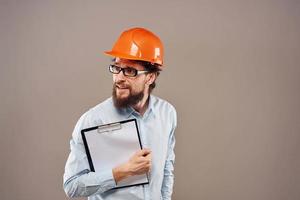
[
  {"x": 114, "y": 78},
  {"x": 138, "y": 87}
]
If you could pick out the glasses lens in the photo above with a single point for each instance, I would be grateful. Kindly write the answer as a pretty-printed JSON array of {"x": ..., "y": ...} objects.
[
  {"x": 114, "y": 69},
  {"x": 130, "y": 71}
]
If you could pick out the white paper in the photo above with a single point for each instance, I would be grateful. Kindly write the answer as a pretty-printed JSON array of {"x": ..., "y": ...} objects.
[{"x": 112, "y": 148}]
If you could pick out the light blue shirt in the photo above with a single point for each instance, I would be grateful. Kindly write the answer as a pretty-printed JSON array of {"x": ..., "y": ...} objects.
[{"x": 156, "y": 127}]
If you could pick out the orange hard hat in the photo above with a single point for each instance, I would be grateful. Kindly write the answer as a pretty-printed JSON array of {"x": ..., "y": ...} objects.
[{"x": 138, "y": 44}]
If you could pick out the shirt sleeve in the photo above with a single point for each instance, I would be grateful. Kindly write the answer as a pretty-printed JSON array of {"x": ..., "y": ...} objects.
[
  {"x": 168, "y": 181},
  {"x": 79, "y": 181}
]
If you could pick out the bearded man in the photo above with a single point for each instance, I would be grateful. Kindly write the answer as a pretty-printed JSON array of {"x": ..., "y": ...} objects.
[{"x": 137, "y": 62}]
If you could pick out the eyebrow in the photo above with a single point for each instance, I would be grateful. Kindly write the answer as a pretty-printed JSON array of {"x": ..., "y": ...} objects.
[{"x": 125, "y": 66}]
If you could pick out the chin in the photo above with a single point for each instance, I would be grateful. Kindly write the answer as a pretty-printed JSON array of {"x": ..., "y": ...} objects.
[{"x": 122, "y": 96}]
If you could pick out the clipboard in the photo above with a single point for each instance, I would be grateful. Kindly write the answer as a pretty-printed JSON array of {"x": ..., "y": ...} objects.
[{"x": 110, "y": 145}]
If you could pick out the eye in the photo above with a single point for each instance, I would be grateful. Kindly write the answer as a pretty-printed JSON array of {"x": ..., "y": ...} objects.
[
  {"x": 115, "y": 68},
  {"x": 130, "y": 71}
]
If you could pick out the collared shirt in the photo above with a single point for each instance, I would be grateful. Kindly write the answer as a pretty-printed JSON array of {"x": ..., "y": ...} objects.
[{"x": 156, "y": 128}]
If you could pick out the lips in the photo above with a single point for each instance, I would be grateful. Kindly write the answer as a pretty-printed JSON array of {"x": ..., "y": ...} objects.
[{"x": 122, "y": 87}]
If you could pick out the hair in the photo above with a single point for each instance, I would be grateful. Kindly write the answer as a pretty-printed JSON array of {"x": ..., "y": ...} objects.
[{"x": 151, "y": 68}]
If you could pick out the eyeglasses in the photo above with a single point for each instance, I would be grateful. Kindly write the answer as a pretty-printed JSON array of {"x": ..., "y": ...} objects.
[{"x": 128, "y": 71}]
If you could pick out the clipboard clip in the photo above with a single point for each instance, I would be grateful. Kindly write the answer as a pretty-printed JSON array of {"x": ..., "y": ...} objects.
[{"x": 109, "y": 127}]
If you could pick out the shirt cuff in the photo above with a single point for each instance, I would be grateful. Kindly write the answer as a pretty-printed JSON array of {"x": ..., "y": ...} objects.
[{"x": 107, "y": 179}]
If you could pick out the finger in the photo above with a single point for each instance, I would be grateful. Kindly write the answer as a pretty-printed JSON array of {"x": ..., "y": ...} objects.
[
  {"x": 148, "y": 168},
  {"x": 139, "y": 153},
  {"x": 143, "y": 152},
  {"x": 149, "y": 156},
  {"x": 146, "y": 152},
  {"x": 140, "y": 160}
]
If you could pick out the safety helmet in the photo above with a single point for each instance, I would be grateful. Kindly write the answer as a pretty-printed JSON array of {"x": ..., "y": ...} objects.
[{"x": 138, "y": 44}]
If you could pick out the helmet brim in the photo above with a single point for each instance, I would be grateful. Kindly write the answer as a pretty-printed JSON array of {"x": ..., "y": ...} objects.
[{"x": 126, "y": 56}]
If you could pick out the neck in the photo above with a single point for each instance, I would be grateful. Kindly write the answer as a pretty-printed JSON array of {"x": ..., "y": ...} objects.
[{"x": 142, "y": 105}]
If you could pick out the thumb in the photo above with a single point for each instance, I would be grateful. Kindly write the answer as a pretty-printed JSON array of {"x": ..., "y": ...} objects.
[{"x": 143, "y": 152}]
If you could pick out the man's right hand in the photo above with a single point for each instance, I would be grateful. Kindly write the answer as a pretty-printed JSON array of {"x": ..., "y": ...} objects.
[{"x": 139, "y": 163}]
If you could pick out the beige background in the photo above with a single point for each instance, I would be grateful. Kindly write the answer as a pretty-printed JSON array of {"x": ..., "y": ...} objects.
[{"x": 232, "y": 73}]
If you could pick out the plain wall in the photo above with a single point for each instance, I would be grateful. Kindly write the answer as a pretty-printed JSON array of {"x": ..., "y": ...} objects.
[{"x": 232, "y": 71}]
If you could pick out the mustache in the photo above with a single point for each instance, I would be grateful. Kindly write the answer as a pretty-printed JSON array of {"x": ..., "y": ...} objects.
[{"x": 121, "y": 85}]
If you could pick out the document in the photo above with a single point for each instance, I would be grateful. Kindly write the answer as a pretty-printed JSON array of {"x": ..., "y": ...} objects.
[{"x": 110, "y": 145}]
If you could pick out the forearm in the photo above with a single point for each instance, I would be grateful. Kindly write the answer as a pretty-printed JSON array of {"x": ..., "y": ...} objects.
[
  {"x": 86, "y": 184},
  {"x": 139, "y": 163},
  {"x": 168, "y": 182},
  {"x": 120, "y": 173}
]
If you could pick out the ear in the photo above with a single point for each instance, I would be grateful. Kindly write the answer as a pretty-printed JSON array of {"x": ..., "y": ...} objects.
[{"x": 150, "y": 78}]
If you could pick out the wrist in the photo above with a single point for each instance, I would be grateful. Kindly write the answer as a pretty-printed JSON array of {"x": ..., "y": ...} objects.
[{"x": 120, "y": 172}]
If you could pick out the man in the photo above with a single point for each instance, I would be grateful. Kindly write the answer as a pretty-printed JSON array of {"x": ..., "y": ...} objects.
[{"x": 138, "y": 60}]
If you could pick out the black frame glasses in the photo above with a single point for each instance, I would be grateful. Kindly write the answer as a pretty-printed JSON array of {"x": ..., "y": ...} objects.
[{"x": 128, "y": 71}]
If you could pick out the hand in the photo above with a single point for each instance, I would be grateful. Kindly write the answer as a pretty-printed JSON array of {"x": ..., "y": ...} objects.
[{"x": 139, "y": 163}]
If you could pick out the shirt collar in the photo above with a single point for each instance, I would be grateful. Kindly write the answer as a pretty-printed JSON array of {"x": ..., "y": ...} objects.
[{"x": 130, "y": 111}]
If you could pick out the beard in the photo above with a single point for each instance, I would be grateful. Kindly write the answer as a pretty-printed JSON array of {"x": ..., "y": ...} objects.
[{"x": 132, "y": 99}]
